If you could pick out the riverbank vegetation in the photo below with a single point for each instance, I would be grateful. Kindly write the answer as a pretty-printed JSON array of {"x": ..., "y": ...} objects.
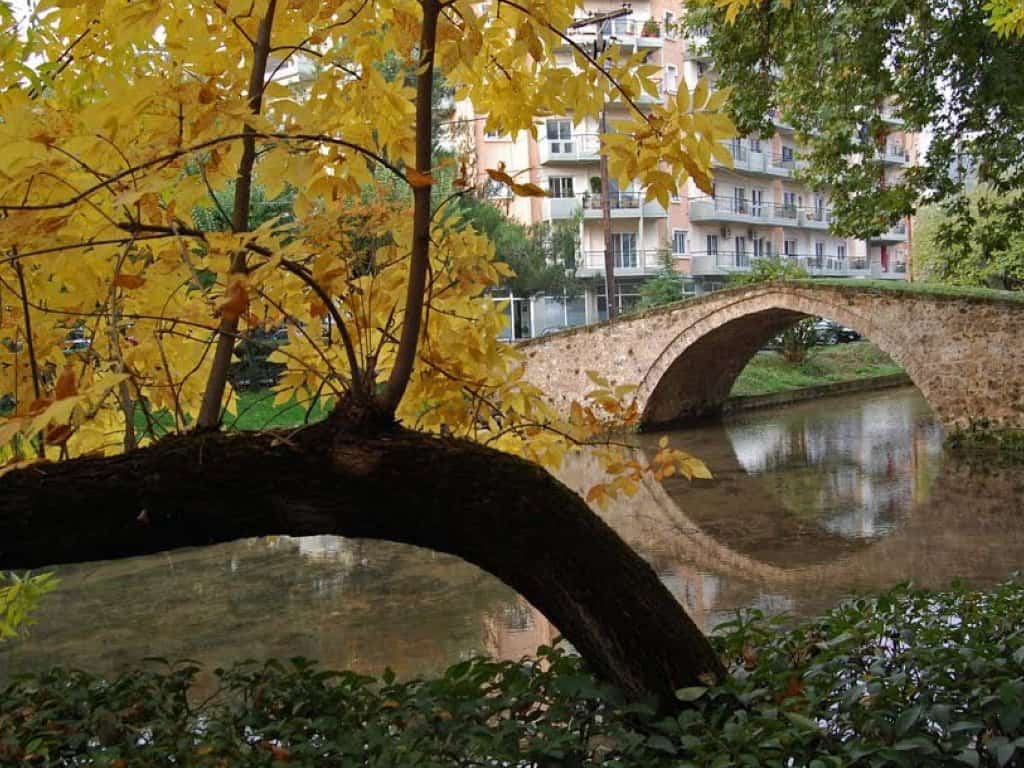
[
  {"x": 910, "y": 678},
  {"x": 768, "y": 372}
]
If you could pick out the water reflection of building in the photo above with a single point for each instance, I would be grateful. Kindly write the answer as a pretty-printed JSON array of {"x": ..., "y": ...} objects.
[{"x": 863, "y": 469}]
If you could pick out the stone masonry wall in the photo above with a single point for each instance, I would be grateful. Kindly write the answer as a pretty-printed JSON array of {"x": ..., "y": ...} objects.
[{"x": 965, "y": 353}]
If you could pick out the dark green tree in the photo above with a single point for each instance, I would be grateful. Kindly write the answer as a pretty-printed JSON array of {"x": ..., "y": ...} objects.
[
  {"x": 543, "y": 255},
  {"x": 991, "y": 237},
  {"x": 847, "y": 73},
  {"x": 664, "y": 288}
]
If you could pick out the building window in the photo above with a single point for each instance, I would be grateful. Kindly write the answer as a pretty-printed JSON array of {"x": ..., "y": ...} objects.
[
  {"x": 627, "y": 299},
  {"x": 787, "y": 154},
  {"x": 678, "y": 241},
  {"x": 757, "y": 202},
  {"x": 841, "y": 253},
  {"x": 789, "y": 203},
  {"x": 713, "y": 245},
  {"x": 670, "y": 79},
  {"x": 495, "y": 189},
  {"x": 741, "y": 252},
  {"x": 560, "y": 186},
  {"x": 624, "y": 250},
  {"x": 670, "y": 25},
  {"x": 559, "y": 135},
  {"x": 496, "y": 136},
  {"x": 789, "y": 248},
  {"x": 739, "y": 199},
  {"x": 702, "y": 68},
  {"x": 755, "y": 145},
  {"x": 762, "y": 248}
]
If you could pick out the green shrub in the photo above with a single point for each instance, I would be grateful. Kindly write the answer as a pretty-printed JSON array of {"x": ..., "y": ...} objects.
[{"x": 910, "y": 678}]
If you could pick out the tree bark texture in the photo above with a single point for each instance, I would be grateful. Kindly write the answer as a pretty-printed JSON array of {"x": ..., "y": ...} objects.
[{"x": 503, "y": 514}]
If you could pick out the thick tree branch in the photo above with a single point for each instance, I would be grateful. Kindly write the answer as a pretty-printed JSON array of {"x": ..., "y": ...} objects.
[{"x": 501, "y": 513}]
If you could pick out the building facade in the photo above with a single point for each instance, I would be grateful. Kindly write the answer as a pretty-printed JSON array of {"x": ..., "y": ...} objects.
[{"x": 758, "y": 209}]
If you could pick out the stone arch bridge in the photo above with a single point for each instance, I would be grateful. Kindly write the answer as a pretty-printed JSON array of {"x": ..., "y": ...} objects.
[{"x": 963, "y": 351}]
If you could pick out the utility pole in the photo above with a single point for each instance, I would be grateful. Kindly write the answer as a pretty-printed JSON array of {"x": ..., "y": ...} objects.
[{"x": 606, "y": 204}]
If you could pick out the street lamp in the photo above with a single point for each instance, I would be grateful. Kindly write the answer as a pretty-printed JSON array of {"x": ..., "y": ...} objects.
[{"x": 606, "y": 208}]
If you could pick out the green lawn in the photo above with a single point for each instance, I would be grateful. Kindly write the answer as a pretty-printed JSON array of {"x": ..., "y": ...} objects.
[
  {"x": 769, "y": 372},
  {"x": 256, "y": 410}
]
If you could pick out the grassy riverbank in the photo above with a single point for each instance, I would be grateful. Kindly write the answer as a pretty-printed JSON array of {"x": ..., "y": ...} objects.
[{"x": 769, "y": 372}]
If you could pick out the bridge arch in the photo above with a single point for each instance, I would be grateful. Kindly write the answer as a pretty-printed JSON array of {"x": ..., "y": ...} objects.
[{"x": 693, "y": 375}]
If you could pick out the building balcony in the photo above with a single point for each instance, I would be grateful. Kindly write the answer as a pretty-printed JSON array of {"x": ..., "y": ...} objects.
[
  {"x": 894, "y": 154},
  {"x": 859, "y": 268},
  {"x": 582, "y": 148},
  {"x": 747, "y": 160},
  {"x": 728, "y": 209},
  {"x": 888, "y": 115},
  {"x": 896, "y": 234},
  {"x": 730, "y": 262},
  {"x": 643, "y": 33},
  {"x": 628, "y": 263},
  {"x": 697, "y": 43},
  {"x": 814, "y": 218},
  {"x": 629, "y": 33},
  {"x": 896, "y": 271},
  {"x": 623, "y": 205},
  {"x": 704, "y": 264}
]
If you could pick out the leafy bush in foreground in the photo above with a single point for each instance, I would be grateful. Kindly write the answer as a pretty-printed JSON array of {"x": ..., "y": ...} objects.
[{"x": 911, "y": 678}]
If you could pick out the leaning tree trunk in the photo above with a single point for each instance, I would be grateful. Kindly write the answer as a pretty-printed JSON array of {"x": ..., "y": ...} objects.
[{"x": 505, "y": 515}]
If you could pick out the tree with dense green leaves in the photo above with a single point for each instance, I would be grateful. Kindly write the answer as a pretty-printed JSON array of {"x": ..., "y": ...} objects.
[
  {"x": 664, "y": 288},
  {"x": 847, "y": 73},
  {"x": 991, "y": 233},
  {"x": 543, "y": 256}
]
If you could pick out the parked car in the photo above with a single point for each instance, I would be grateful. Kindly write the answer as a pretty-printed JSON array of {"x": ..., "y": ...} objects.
[{"x": 829, "y": 332}]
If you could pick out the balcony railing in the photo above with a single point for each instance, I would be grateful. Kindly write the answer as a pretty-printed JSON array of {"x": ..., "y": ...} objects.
[
  {"x": 643, "y": 33},
  {"x": 582, "y": 147},
  {"x": 894, "y": 153},
  {"x": 622, "y": 205},
  {"x": 616, "y": 200},
  {"x": 896, "y": 233},
  {"x": 744, "y": 158},
  {"x": 636, "y": 259},
  {"x": 730, "y": 208},
  {"x": 723, "y": 262}
]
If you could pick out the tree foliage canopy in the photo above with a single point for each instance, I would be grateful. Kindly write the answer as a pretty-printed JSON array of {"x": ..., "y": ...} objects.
[
  {"x": 141, "y": 139},
  {"x": 990, "y": 235},
  {"x": 847, "y": 74}
]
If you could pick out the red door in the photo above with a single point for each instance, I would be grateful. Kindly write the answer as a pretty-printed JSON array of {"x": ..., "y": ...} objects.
[{"x": 885, "y": 258}]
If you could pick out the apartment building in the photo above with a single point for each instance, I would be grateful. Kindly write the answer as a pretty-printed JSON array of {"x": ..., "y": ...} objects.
[{"x": 758, "y": 208}]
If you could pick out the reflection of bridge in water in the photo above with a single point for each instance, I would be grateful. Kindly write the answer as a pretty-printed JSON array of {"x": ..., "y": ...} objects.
[{"x": 748, "y": 544}]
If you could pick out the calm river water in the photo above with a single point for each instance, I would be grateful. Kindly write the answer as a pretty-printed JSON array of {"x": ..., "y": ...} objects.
[{"x": 809, "y": 504}]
